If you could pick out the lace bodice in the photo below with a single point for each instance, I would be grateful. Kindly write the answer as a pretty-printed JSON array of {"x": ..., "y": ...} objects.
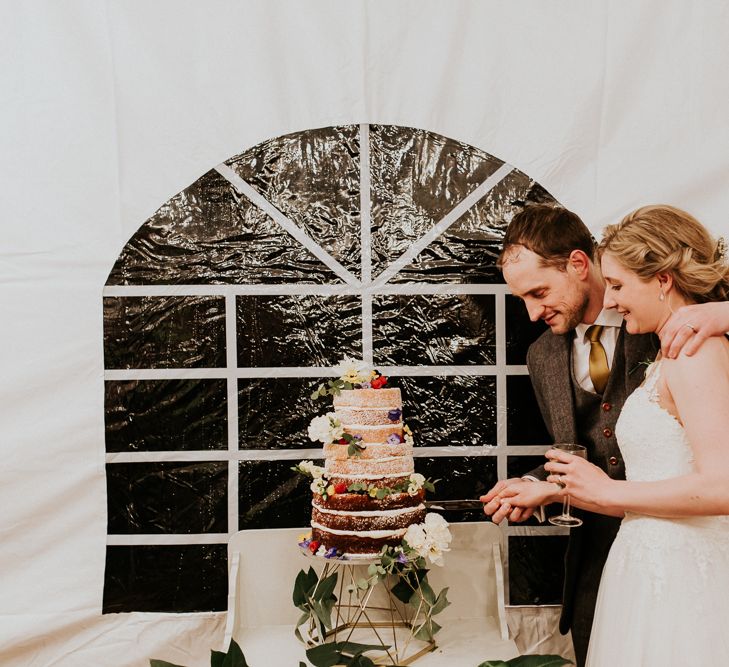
[
  {"x": 652, "y": 441},
  {"x": 655, "y": 447}
]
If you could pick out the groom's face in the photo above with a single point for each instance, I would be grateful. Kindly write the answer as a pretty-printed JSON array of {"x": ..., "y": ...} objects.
[{"x": 552, "y": 294}]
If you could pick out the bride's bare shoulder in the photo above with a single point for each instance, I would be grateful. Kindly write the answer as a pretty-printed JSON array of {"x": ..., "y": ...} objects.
[{"x": 710, "y": 360}]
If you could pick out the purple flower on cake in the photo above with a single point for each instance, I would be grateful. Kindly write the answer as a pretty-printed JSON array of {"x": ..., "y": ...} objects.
[
  {"x": 394, "y": 415},
  {"x": 331, "y": 553},
  {"x": 393, "y": 439},
  {"x": 365, "y": 385},
  {"x": 402, "y": 558}
]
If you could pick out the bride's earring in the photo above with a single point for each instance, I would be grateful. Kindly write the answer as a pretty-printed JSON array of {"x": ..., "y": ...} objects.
[{"x": 661, "y": 296}]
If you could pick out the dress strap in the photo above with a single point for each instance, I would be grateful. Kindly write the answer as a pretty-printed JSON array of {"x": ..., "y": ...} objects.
[{"x": 652, "y": 375}]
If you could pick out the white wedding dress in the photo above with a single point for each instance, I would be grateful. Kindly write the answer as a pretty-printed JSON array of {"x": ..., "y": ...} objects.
[{"x": 664, "y": 593}]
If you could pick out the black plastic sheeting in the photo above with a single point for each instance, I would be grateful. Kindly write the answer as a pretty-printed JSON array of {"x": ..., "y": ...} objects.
[
  {"x": 211, "y": 234},
  {"x": 177, "y": 578},
  {"x": 298, "y": 330},
  {"x": 164, "y": 332},
  {"x": 166, "y": 415}
]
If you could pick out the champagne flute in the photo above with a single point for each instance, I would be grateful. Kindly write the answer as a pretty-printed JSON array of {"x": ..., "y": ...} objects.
[{"x": 566, "y": 519}]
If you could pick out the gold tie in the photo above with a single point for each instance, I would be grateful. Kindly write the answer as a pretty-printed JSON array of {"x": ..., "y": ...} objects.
[{"x": 599, "y": 369}]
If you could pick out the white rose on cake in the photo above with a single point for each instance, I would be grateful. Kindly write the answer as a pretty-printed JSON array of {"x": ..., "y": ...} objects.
[
  {"x": 415, "y": 537},
  {"x": 430, "y": 539},
  {"x": 319, "y": 485},
  {"x": 325, "y": 429},
  {"x": 308, "y": 467},
  {"x": 439, "y": 535}
]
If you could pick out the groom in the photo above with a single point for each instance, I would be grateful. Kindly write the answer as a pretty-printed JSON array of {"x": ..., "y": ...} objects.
[{"x": 581, "y": 376}]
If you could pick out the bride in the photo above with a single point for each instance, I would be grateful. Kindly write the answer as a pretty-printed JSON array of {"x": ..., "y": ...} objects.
[{"x": 664, "y": 592}]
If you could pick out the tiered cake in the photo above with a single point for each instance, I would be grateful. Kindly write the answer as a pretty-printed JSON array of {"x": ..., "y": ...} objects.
[{"x": 368, "y": 493}]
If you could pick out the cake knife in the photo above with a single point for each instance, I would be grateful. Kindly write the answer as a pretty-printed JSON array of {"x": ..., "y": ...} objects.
[{"x": 453, "y": 504}]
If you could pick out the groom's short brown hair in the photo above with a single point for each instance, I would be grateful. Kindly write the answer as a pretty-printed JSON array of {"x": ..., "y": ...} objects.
[{"x": 552, "y": 232}]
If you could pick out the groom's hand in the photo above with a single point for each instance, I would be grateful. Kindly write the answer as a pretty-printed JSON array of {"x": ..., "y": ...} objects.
[
  {"x": 499, "y": 510},
  {"x": 691, "y": 325}
]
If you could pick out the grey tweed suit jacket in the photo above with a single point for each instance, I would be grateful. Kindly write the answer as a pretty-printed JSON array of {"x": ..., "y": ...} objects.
[{"x": 549, "y": 360}]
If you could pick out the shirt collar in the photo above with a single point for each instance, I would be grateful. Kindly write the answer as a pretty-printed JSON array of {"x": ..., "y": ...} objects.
[{"x": 606, "y": 317}]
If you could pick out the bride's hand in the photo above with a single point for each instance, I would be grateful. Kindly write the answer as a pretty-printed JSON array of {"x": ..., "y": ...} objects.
[
  {"x": 579, "y": 478},
  {"x": 527, "y": 494}
]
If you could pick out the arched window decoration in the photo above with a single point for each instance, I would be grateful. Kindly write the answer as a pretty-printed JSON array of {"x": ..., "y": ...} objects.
[{"x": 247, "y": 287}]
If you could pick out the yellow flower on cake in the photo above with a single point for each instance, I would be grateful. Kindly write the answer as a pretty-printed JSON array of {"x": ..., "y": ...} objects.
[{"x": 353, "y": 371}]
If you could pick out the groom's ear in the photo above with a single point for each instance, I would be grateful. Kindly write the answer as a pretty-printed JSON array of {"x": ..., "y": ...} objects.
[{"x": 580, "y": 263}]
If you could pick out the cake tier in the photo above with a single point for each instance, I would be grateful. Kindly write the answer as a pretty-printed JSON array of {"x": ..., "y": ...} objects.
[
  {"x": 378, "y": 481},
  {"x": 357, "y": 466},
  {"x": 379, "y": 433},
  {"x": 361, "y": 544},
  {"x": 361, "y": 502},
  {"x": 365, "y": 416},
  {"x": 373, "y": 450},
  {"x": 367, "y": 520},
  {"x": 369, "y": 398}
]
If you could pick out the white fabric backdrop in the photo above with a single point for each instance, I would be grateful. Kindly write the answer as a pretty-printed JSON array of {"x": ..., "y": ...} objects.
[{"x": 109, "y": 108}]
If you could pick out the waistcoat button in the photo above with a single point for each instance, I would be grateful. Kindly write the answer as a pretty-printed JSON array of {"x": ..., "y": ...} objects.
[
  {"x": 607, "y": 432},
  {"x": 613, "y": 461},
  {"x": 606, "y": 406}
]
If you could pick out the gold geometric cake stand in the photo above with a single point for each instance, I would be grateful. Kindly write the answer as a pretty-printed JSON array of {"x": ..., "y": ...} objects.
[{"x": 372, "y": 616}]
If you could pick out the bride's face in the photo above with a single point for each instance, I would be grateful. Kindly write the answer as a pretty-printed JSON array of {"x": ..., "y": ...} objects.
[{"x": 637, "y": 300}]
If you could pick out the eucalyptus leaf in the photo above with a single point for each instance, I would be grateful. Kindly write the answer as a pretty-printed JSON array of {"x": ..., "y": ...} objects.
[
  {"x": 342, "y": 653},
  {"x": 426, "y": 631},
  {"x": 303, "y": 585},
  {"x": 321, "y": 613},
  {"x": 353, "y": 648},
  {"x": 302, "y": 619},
  {"x": 441, "y": 602},
  {"x": 162, "y": 663},
  {"x": 402, "y": 591},
  {"x": 216, "y": 658},
  {"x": 361, "y": 661},
  {"x": 529, "y": 661},
  {"x": 235, "y": 657},
  {"x": 324, "y": 655},
  {"x": 326, "y": 587},
  {"x": 427, "y": 592}
]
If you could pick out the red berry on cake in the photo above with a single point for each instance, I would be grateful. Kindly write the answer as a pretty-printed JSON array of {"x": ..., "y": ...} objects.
[
  {"x": 340, "y": 488},
  {"x": 313, "y": 546},
  {"x": 378, "y": 382}
]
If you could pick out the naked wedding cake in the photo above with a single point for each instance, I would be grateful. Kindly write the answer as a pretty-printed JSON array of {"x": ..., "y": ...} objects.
[{"x": 367, "y": 494}]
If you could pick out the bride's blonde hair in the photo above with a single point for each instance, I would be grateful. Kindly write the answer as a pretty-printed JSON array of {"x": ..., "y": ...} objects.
[{"x": 664, "y": 239}]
